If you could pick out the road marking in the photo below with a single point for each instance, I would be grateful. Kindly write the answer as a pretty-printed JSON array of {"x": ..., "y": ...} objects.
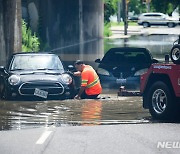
[{"x": 43, "y": 137}]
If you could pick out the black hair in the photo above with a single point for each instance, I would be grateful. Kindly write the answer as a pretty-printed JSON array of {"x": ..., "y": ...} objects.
[{"x": 78, "y": 62}]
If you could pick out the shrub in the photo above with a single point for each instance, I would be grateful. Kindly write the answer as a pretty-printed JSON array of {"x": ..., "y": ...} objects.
[
  {"x": 107, "y": 31},
  {"x": 30, "y": 42}
]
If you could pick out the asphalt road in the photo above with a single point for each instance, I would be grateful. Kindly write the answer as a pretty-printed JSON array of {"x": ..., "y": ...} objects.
[
  {"x": 114, "y": 139},
  {"x": 118, "y": 31}
]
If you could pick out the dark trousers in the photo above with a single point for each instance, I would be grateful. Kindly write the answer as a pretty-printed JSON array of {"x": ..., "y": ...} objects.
[{"x": 85, "y": 96}]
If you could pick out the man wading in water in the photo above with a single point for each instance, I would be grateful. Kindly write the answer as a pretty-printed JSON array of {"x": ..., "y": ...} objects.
[{"x": 90, "y": 84}]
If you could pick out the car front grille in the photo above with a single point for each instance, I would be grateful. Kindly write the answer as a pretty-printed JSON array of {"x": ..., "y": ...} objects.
[
  {"x": 52, "y": 88},
  {"x": 122, "y": 74}
]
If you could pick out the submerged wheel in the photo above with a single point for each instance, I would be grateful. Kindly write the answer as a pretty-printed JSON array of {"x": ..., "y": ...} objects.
[
  {"x": 6, "y": 95},
  {"x": 175, "y": 54},
  {"x": 160, "y": 101}
]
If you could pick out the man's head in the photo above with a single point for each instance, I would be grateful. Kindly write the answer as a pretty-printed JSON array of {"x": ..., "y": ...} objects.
[{"x": 79, "y": 64}]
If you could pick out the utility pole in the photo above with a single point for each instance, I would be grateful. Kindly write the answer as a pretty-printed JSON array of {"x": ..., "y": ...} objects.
[
  {"x": 119, "y": 12},
  {"x": 148, "y": 5},
  {"x": 124, "y": 4}
]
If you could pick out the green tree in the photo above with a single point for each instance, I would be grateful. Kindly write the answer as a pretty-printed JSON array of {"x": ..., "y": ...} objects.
[
  {"x": 136, "y": 6},
  {"x": 110, "y": 8},
  {"x": 165, "y": 6},
  {"x": 30, "y": 42}
]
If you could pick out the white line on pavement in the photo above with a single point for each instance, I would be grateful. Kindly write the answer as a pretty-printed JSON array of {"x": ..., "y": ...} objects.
[{"x": 43, "y": 137}]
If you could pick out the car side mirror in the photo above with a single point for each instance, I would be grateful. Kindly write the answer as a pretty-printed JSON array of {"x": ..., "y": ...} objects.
[
  {"x": 71, "y": 68},
  {"x": 2, "y": 68},
  {"x": 97, "y": 61},
  {"x": 155, "y": 61}
]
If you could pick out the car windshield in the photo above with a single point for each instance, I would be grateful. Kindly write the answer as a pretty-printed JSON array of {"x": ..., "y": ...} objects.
[
  {"x": 36, "y": 62},
  {"x": 119, "y": 57}
]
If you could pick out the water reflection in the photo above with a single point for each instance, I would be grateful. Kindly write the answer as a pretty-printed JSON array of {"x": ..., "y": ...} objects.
[
  {"x": 32, "y": 114},
  {"x": 91, "y": 112},
  {"x": 159, "y": 45}
]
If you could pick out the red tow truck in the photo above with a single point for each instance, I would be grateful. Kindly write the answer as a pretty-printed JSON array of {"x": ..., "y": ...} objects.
[{"x": 160, "y": 86}]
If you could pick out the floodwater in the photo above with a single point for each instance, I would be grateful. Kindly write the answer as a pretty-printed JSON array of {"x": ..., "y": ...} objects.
[
  {"x": 110, "y": 109},
  {"x": 158, "y": 45}
]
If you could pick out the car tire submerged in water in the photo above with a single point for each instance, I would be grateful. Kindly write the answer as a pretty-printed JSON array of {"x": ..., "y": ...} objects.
[
  {"x": 5, "y": 94},
  {"x": 160, "y": 99},
  {"x": 175, "y": 54}
]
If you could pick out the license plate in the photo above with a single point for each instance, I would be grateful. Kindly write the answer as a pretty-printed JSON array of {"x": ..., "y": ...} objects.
[
  {"x": 40, "y": 93},
  {"x": 121, "y": 81}
]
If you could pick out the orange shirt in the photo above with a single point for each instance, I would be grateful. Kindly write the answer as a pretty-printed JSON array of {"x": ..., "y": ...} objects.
[{"x": 90, "y": 80}]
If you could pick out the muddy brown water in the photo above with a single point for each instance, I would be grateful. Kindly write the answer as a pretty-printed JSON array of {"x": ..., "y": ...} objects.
[{"x": 110, "y": 109}]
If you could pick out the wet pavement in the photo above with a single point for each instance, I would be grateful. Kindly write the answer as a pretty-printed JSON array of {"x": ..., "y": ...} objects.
[{"x": 109, "y": 109}]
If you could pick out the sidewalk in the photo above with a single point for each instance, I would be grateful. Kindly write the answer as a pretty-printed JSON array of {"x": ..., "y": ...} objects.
[{"x": 118, "y": 31}]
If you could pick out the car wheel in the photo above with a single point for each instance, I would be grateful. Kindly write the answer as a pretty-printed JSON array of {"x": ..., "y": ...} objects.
[
  {"x": 5, "y": 94},
  {"x": 146, "y": 24},
  {"x": 1, "y": 91},
  {"x": 170, "y": 24},
  {"x": 160, "y": 101},
  {"x": 175, "y": 54}
]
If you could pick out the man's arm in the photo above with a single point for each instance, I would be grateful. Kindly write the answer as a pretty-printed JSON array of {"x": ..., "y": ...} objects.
[
  {"x": 78, "y": 96},
  {"x": 78, "y": 73}
]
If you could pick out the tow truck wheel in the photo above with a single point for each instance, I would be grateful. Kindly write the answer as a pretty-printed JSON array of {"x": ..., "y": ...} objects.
[
  {"x": 175, "y": 54},
  {"x": 160, "y": 101}
]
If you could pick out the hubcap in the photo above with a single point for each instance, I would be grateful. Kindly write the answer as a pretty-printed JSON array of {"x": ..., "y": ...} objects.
[
  {"x": 170, "y": 25},
  {"x": 145, "y": 24},
  {"x": 176, "y": 54},
  {"x": 159, "y": 101}
]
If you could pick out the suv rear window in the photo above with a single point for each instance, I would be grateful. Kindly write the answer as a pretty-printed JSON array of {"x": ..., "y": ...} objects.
[{"x": 126, "y": 57}]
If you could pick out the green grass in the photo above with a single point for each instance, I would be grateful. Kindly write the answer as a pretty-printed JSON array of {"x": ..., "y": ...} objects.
[{"x": 130, "y": 23}]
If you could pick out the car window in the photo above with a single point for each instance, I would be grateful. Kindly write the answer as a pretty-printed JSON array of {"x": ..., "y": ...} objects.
[
  {"x": 34, "y": 62},
  {"x": 126, "y": 57}
]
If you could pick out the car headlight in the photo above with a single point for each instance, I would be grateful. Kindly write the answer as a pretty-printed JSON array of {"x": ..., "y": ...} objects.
[
  {"x": 102, "y": 71},
  {"x": 140, "y": 72},
  {"x": 14, "y": 79},
  {"x": 67, "y": 79}
]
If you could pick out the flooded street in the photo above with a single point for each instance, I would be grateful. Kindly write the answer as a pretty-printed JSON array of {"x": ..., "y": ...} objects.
[
  {"x": 107, "y": 110},
  {"x": 158, "y": 45}
]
